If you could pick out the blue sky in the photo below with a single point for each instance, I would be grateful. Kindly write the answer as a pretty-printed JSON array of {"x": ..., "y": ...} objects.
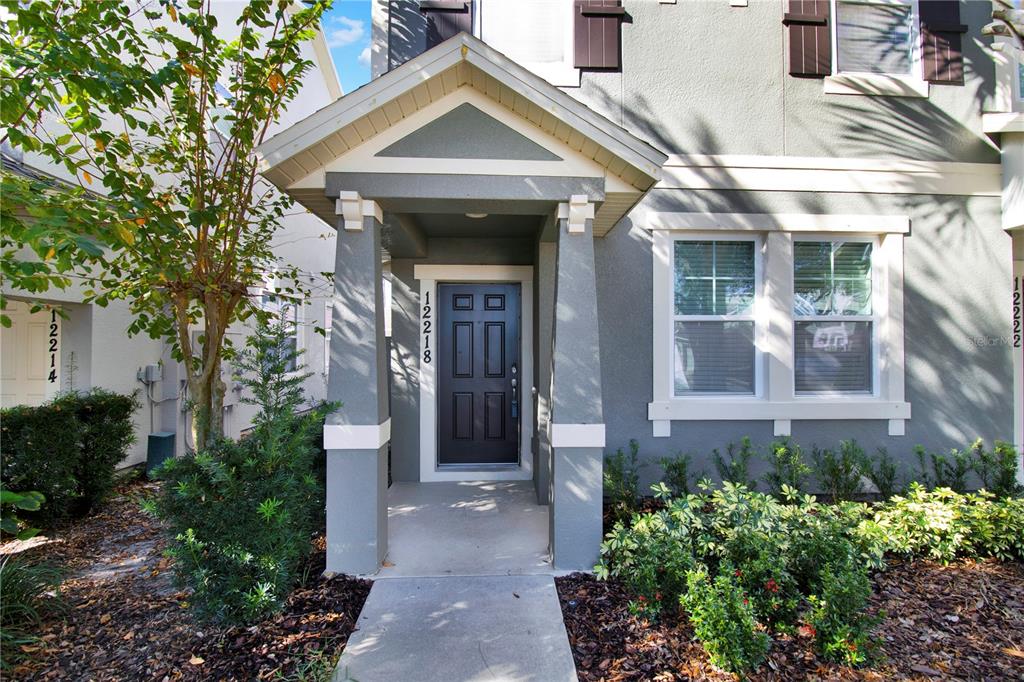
[{"x": 347, "y": 27}]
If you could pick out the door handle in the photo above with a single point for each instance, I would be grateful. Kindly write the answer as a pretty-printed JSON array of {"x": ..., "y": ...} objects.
[{"x": 515, "y": 391}]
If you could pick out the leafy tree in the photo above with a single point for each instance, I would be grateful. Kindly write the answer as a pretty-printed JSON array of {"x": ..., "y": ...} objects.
[{"x": 153, "y": 115}]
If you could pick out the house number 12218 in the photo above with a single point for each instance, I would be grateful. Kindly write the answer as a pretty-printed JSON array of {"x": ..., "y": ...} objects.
[{"x": 427, "y": 324}]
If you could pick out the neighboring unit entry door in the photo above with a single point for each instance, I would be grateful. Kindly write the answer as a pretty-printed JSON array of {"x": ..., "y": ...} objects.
[{"x": 479, "y": 369}]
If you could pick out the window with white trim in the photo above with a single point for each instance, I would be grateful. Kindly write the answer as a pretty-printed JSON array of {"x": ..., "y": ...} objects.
[
  {"x": 714, "y": 291},
  {"x": 877, "y": 37},
  {"x": 833, "y": 317},
  {"x": 286, "y": 310},
  {"x": 777, "y": 317}
]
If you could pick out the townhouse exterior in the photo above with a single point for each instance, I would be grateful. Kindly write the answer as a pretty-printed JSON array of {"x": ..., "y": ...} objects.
[
  {"x": 675, "y": 222},
  {"x": 44, "y": 353}
]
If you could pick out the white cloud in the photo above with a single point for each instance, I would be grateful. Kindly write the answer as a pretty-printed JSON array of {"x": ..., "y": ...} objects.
[
  {"x": 364, "y": 56},
  {"x": 344, "y": 31}
]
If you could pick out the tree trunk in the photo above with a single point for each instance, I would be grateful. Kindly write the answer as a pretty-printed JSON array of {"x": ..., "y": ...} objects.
[{"x": 207, "y": 406}]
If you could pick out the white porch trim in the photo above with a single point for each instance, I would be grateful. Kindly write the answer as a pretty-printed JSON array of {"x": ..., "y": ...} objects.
[
  {"x": 357, "y": 436},
  {"x": 429, "y": 276},
  {"x": 577, "y": 435},
  {"x": 829, "y": 174}
]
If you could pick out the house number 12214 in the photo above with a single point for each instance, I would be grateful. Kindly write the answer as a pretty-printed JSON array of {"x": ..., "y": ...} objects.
[{"x": 427, "y": 324}]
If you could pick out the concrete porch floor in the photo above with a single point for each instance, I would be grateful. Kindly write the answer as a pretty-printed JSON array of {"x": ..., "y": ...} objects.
[{"x": 466, "y": 528}]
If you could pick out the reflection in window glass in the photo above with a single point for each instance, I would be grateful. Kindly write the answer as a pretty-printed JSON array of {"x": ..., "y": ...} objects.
[
  {"x": 834, "y": 327},
  {"x": 874, "y": 37}
]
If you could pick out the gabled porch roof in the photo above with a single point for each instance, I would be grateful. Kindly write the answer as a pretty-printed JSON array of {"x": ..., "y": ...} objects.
[{"x": 298, "y": 159}]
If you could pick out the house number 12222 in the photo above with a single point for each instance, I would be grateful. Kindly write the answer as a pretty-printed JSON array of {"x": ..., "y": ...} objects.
[{"x": 427, "y": 324}]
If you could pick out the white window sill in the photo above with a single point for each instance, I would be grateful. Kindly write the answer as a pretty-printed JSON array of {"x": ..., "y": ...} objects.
[
  {"x": 722, "y": 408},
  {"x": 876, "y": 85}
]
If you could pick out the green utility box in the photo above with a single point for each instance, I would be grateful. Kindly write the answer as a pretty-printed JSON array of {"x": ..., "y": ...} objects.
[{"x": 159, "y": 448}]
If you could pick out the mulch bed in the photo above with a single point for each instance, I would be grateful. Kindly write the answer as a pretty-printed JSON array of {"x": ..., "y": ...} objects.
[
  {"x": 125, "y": 620},
  {"x": 959, "y": 622}
]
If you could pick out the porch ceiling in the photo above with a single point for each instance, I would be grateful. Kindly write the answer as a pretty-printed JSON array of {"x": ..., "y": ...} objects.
[{"x": 294, "y": 159}]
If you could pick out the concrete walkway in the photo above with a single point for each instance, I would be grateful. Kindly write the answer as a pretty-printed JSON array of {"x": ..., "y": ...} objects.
[
  {"x": 466, "y": 528},
  {"x": 460, "y": 629}
]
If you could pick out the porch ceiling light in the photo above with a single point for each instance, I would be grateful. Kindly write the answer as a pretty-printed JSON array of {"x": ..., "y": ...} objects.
[{"x": 476, "y": 215}]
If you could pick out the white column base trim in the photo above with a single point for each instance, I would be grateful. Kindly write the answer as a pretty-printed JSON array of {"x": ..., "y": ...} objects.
[
  {"x": 577, "y": 436},
  {"x": 357, "y": 437},
  {"x": 661, "y": 428},
  {"x": 783, "y": 427}
]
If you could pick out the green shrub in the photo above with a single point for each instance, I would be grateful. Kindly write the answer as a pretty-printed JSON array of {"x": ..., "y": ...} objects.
[
  {"x": 942, "y": 524},
  {"x": 676, "y": 474},
  {"x": 12, "y": 504},
  {"x": 241, "y": 515},
  {"x": 27, "y": 592},
  {"x": 723, "y": 620},
  {"x": 734, "y": 467},
  {"x": 997, "y": 468},
  {"x": 67, "y": 449},
  {"x": 622, "y": 481},
  {"x": 653, "y": 558},
  {"x": 882, "y": 471},
  {"x": 107, "y": 434},
  {"x": 839, "y": 472},
  {"x": 842, "y": 629},
  {"x": 39, "y": 450},
  {"x": 946, "y": 471},
  {"x": 788, "y": 467}
]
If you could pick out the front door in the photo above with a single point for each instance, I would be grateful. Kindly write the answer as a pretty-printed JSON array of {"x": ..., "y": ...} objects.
[{"x": 478, "y": 365}]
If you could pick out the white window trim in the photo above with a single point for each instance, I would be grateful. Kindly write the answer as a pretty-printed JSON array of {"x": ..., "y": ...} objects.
[
  {"x": 890, "y": 85},
  {"x": 756, "y": 315},
  {"x": 777, "y": 401},
  {"x": 429, "y": 276}
]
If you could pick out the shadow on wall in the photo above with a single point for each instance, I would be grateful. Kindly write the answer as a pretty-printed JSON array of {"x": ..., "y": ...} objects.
[{"x": 956, "y": 287}]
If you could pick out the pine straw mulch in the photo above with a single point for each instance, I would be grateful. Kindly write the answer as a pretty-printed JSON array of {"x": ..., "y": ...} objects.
[
  {"x": 958, "y": 622},
  {"x": 125, "y": 620}
]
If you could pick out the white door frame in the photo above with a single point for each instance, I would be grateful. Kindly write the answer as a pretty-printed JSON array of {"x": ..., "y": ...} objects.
[{"x": 429, "y": 276}]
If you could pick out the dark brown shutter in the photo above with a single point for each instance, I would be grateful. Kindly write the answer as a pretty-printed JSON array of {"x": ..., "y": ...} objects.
[
  {"x": 597, "y": 33},
  {"x": 446, "y": 18},
  {"x": 941, "y": 41},
  {"x": 810, "y": 38}
]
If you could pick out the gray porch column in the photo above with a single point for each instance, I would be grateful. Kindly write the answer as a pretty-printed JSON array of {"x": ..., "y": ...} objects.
[
  {"x": 577, "y": 420},
  {"x": 356, "y": 435}
]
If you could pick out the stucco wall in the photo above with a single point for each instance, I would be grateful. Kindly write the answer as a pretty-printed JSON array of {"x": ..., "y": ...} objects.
[{"x": 956, "y": 297}]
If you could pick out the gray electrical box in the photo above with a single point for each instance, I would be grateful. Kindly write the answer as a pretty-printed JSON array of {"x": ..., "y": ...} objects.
[{"x": 159, "y": 449}]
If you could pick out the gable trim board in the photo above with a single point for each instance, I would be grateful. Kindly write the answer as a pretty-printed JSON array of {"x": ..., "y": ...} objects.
[
  {"x": 429, "y": 276},
  {"x": 462, "y": 60}
]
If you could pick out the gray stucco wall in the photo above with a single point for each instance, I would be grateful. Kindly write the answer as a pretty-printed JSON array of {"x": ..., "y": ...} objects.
[
  {"x": 957, "y": 276},
  {"x": 708, "y": 78},
  {"x": 405, "y": 334}
]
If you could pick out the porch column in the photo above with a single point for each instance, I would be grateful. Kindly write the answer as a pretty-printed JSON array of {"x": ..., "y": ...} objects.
[
  {"x": 577, "y": 420},
  {"x": 356, "y": 435}
]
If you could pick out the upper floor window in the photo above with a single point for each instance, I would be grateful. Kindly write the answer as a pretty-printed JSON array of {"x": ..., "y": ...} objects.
[
  {"x": 534, "y": 33},
  {"x": 714, "y": 290},
  {"x": 876, "y": 36},
  {"x": 833, "y": 314}
]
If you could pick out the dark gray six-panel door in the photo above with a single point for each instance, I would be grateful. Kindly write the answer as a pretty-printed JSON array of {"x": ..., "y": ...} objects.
[{"x": 478, "y": 368}]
